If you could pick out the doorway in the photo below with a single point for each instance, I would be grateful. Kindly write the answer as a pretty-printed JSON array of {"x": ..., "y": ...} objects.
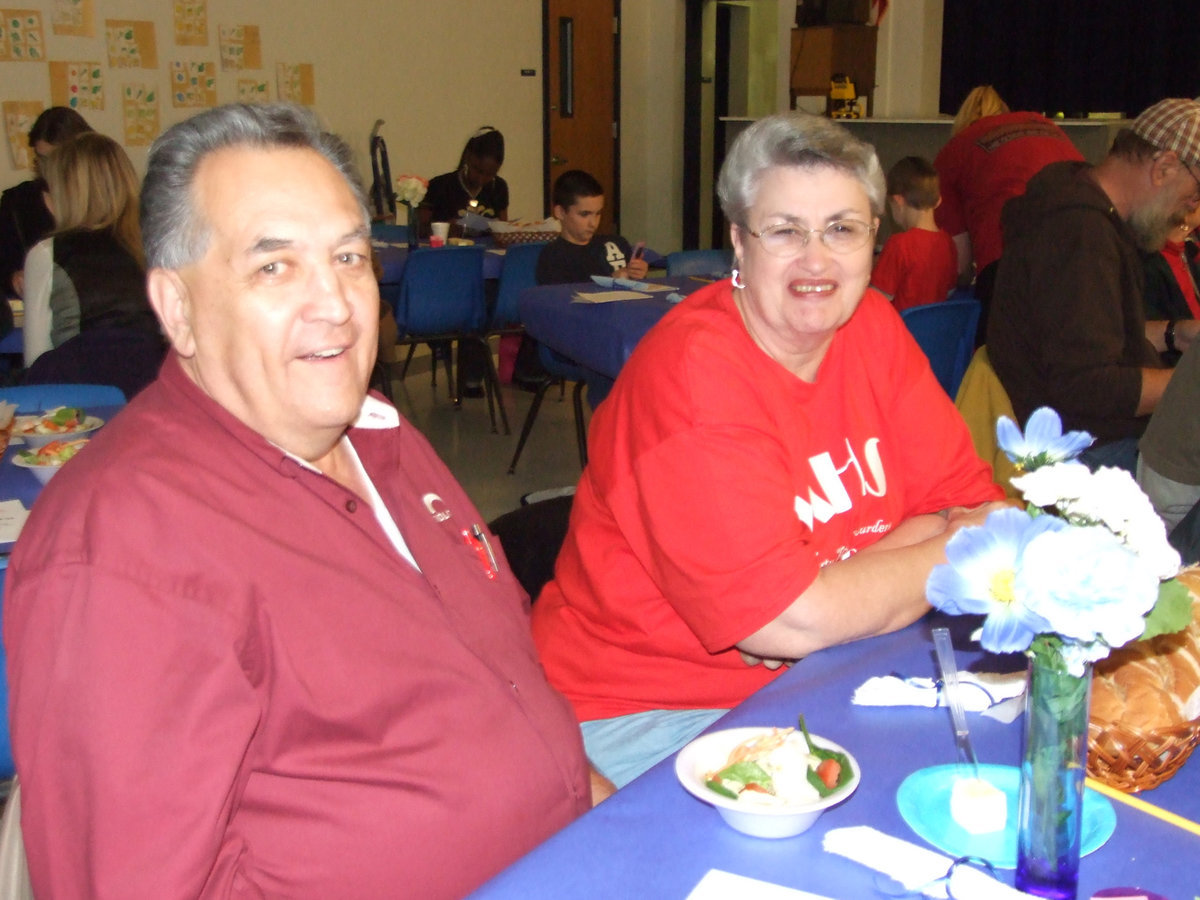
[{"x": 581, "y": 94}]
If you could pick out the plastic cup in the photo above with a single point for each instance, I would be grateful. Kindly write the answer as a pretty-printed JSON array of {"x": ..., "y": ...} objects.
[{"x": 440, "y": 232}]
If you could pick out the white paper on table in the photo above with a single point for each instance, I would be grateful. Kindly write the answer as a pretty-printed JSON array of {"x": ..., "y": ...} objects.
[
  {"x": 917, "y": 868},
  {"x": 631, "y": 284},
  {"x": 12, "y": 519},
  {"x": 607, "y": 296},
  {"x": 990, "y": 693},
  {"x": 720, "y": 885}
]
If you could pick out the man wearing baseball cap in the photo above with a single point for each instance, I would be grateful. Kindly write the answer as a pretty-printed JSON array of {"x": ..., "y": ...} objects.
[{"x": 1067, "y": 327}]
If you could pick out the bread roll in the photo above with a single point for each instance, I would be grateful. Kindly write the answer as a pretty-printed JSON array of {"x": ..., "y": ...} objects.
[{"x": 1156, "y": 683}]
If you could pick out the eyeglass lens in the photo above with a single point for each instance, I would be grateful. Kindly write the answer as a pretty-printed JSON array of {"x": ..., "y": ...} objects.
[{"x": 786, "y": 239}]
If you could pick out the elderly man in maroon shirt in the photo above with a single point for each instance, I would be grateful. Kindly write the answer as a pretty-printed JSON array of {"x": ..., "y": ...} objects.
[{"x": 259, "y": 644}]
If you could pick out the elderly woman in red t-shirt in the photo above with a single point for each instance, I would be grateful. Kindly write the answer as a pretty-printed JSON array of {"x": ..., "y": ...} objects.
[{"x": 775, "y": 471}]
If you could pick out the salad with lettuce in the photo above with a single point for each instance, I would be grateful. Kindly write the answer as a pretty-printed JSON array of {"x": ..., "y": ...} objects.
[
  {"x": 62, "y": 420},
  {"x": 780, "y": 767},
  {"x": 54, "y": 453}
]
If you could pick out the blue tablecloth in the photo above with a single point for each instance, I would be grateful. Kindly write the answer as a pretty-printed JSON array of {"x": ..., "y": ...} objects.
[
  {"x": 598, "y": 336},
  {"x": 652, "y": 839}
]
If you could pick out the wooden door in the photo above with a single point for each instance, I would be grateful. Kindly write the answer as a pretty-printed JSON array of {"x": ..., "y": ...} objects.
[{"x": 580, "y": 91}]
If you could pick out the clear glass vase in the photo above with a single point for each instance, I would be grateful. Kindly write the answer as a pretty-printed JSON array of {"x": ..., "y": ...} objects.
[
  {"x": 414, "y": 227},
  {"x": 1053, "y": 766}
]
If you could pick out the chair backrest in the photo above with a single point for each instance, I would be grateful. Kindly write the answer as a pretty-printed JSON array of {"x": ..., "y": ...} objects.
[
  {"x": 518, "y": 274},
  {"x": 386, "y": 231},
  {"x": 32, "y": 398},
  {"x": 713, "y": 263},
  {"x": 946, "y": 332},
  {"x": 981, "y": 400},
  {"x": 441, "y": 291}
]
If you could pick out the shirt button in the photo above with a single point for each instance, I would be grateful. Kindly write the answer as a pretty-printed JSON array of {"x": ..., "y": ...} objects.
[{"x": 351, "y": 505}]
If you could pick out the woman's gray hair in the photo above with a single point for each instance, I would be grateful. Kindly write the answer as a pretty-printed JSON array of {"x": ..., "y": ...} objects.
[
  {"x": 174, "y": 232},
  {"x": 794, "y": 139}
]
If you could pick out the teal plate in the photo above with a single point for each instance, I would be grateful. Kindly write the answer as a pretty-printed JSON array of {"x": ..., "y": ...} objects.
[{"x": 924, "y": 801}]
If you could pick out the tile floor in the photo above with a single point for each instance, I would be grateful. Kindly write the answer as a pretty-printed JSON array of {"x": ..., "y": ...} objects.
[{"x": 478, "y": 458}]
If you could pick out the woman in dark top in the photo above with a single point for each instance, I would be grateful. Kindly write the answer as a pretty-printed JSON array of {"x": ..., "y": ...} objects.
[
  {"x": 24, "y": 219},
  {"x": 474, "y": 187},
  {"x": 85, "y": 284}
]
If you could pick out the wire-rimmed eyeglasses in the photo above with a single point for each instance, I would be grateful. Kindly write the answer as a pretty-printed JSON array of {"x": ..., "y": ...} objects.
[
  {"x": 890, "y": 888},
  {"x": 787, "y": 239}
]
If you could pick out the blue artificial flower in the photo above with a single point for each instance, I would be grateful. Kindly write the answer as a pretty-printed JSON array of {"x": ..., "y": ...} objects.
[
  {"x": 1043, "y": 442},
  {"x": 981, "y": 577}
]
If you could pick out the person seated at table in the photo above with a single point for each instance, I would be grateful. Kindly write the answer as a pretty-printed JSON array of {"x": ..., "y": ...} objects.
[
  {"x": 24, "y": 218},
  {"x": 474, "y": 188},
  {"x": 579, "y": 252},
  {"x": 775, "y": 471},
  {"x": 258, "y": 643},
  {"x": 1173, "y": 279},
  {"x": 1067, "y": 326},
  {"x": 87, "y": 280},
  {"x": 918, "y": 264}
]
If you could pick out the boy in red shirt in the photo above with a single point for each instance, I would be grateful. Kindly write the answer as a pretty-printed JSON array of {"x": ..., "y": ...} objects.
[{"x": 919, "y": 264}]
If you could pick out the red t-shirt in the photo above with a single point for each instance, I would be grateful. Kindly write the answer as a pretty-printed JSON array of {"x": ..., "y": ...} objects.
[
  {"x": 916, "y": 267},
  {"x": 987, "y": 164},
  {"x": 718, "y": 484},
  {"x": 1174, "y": 253}
]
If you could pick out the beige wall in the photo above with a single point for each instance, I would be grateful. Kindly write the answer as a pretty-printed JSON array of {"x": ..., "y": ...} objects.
[{"x": 434, "y": 71}]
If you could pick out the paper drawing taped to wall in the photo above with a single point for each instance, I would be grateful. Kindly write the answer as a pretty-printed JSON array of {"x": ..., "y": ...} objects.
[
  {"x": 79, "y": 85},
  {"x": 193, "y": 84},
  {"x": 23, "y": 40},
  {"x": 139, "y": 111}
]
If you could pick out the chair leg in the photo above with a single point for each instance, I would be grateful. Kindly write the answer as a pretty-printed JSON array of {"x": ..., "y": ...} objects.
[
  {"x": 381, "y": 378},
  {"x": 491, "y": 378},
  {"x": 453, "y": 383},
  {"x": 528, "y": 426},
  {"x": 412, "y": 348},
  {"x": 580, "y": 423}
]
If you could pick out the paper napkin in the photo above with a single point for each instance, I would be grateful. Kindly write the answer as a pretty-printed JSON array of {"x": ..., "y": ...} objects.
[
  {"x": 915, "y": 867},
  {"x": 992, "y": 693},
  {"x": 719, "y": 885}
]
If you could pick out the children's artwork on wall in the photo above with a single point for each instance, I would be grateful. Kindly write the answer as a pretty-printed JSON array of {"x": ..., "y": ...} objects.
[
  {"x": 191, "y": 23},
  {"x": 131, "y": 45},
  {"x": 19, "y": 116},
  {"x": 193, "y": 84},
  {"x": 241, "y": 48},
  {"x": 139, "y": 111},
  {"x": 23, "y": 39},
  {"x": 73, "y": 17},
  {"x": 250, "y": 90},
  {"x": 294, "y": 83},
  {"x": 79, "y": 85}
]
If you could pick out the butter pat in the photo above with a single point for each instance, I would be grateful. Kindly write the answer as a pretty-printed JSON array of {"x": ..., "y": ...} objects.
[{"x": 978, "y": 806}]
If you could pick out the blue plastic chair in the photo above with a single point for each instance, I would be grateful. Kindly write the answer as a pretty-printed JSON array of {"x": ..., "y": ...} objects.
[
  {"x": 710, "y": 263},
  {"x": 33, "y": 398},
  {"x": 562, "y": 369},
  {"x": 946, "y": 332},
  {"x": 518, "y": 274},
  {"x": 441, "y": 300}
]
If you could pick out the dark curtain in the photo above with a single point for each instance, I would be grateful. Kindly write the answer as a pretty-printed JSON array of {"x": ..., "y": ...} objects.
[{"x": 1071, "y": 56}]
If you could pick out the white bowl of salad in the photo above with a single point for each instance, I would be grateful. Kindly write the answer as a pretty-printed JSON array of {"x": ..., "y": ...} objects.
[
  {"x": 46, "y": 460},
  {"x": 56, "y": 424},
  {"x": 767, "y": 782}
]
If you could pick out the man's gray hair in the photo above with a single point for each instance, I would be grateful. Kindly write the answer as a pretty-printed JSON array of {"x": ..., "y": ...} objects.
[
  {"x": 174, "y": 232},
  {"x": 794, "y": 140}
]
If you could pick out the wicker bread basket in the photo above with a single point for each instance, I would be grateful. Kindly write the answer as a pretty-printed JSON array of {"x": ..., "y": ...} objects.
[
  {"x": 505, "y": 234},
  {"x": 1137, "y": 757},
  {"x": 1132, "y": 760}
]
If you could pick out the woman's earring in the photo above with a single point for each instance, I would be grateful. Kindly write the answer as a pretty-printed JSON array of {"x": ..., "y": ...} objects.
[{"x": 736, "y": 278}]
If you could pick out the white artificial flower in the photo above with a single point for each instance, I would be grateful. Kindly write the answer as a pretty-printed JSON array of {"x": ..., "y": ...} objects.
[
  {"x": 410, "y": 189},
  {"x": 1108, "y": 497}
]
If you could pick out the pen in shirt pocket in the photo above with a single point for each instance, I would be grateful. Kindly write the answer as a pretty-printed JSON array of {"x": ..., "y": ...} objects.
[{"x": 477, "y": 540}]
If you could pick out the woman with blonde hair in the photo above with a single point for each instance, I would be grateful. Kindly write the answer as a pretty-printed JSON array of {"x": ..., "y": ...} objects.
[
  {"x": 981, "y": 101},
  {"x": 89, "y": 276}
]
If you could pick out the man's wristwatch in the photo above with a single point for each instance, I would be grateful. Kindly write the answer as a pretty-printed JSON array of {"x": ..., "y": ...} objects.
[{"x": 1169, "y": 336}]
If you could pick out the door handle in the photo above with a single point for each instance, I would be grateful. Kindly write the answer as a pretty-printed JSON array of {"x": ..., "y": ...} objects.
[{"x": 557, "y": 160}]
